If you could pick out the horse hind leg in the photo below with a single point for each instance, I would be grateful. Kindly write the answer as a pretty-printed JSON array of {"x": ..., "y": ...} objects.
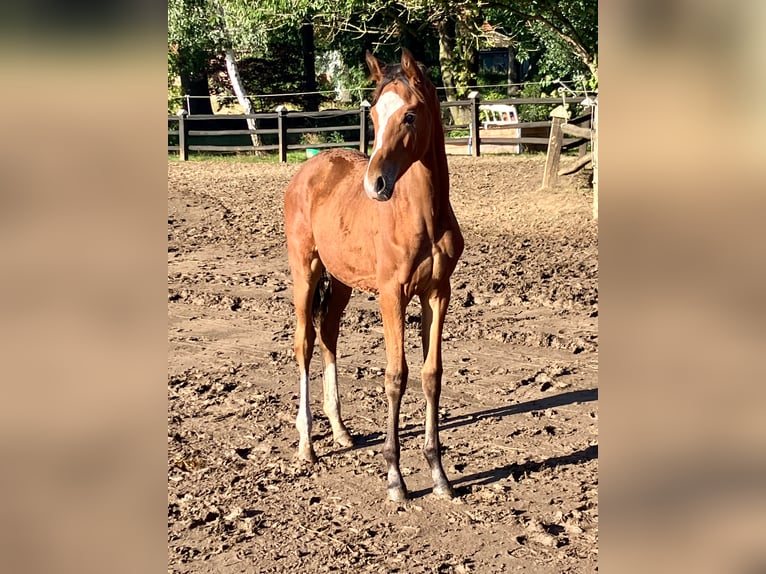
[
  {"x": 305, "y": 279},
  {"x": 329, "y": 317}
]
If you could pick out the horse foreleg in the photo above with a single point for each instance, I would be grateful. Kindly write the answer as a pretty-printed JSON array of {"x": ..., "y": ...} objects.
[
  {"x": 392, "y": 307},
  {"x": 328, "y": 340},
  {"x": 434, "y": 308}
]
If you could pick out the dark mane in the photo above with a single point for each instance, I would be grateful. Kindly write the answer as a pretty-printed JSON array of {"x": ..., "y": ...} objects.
[{"x": 394, "y": 73}]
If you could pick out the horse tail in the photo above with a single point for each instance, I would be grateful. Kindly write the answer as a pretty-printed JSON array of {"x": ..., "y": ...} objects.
[{"x": 322, "y": 295}]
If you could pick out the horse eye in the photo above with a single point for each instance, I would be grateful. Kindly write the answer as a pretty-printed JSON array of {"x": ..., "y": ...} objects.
[{"x": 409, "y": 118}]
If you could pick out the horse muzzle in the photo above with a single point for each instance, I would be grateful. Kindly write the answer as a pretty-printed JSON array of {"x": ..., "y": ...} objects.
[{"x": 380, "y": 187}]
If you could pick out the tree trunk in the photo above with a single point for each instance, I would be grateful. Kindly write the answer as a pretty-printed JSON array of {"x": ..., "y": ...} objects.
[
  {"x": 459, "y": 59},
  {"x": 239, "y": 91},
  {"x": 309, "y": 65},
  {"x": 513, "y": 73},
  {"x": 446, "y": 30},
  {"x": 469, "y": 52},
  {"x": 193, "y": 73}
]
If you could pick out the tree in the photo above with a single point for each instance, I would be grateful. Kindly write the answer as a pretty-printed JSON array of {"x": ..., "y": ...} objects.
[
  {"x": 459, "y": 28},
  {"x": 456, "y": 24},
  {"x": 308, "y": 47},
  {"x": 189, "y": 49},
  {"x": 559, "y": 36},
  {"x": 201, "y": 28},
  {"x": 307, "y": 17},
  {"x": 275, "y": 67},
  {"x": 235, "y": 24},
  {"x": 558, "y": 23},
  {"x": 384, "y": 26}
]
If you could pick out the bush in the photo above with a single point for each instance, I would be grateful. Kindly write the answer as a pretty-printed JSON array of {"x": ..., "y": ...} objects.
[
  {"x": 541, "y": 112},
  {"x": 175, "y": 95},
  {"x": 536, "y": 112}
]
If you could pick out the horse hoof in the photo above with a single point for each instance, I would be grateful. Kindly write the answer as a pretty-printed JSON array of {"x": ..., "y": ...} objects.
[
  {"x": 444, "y": 491},
  {"x": 307, "y": 455},
  {"x": 397, "y": 494},
  {"x": 344, "y": 439}
]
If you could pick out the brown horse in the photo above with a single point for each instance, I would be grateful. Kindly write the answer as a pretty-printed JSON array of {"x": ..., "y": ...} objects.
[{"x": 382, "y": 224}]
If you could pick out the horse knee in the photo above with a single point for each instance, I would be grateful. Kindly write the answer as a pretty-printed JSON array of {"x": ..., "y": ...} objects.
[
  {"x": 432, "y": 380},
  {"x": 303, "y": 343},
  {"x": 431, "y": 375},
  {"x": 396, "y": 381}
]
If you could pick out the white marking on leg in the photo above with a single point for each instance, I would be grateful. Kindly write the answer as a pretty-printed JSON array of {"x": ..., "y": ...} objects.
[
  {"x": 332, "y": 405},
  {"x": 387, "y": 106},
  {"x": 303, "y": 420},
  {"x": 331, "y": 397}
]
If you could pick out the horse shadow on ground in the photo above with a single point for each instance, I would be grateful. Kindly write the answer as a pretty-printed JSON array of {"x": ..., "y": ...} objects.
[
  {"x": 515, "y": 470},
  {"x": 415, "y": 429}
]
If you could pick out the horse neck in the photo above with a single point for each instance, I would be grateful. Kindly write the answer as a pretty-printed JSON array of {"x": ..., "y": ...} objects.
[{"x": 432, "y": 169}]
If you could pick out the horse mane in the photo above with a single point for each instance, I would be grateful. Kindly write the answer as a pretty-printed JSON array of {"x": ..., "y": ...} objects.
[{"x": 394, "y": 73}]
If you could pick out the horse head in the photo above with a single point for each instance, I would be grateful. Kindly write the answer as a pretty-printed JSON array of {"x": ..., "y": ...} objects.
[{"x": 403, "y": 115}]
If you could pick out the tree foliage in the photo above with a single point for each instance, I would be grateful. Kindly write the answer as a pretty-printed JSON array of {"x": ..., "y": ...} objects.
[
  {"x": 276, "y": 66},
  {"x": 567, "y": 29},
  {"x": 213, "y": 25},
  {"x": 558, "y": 38}
]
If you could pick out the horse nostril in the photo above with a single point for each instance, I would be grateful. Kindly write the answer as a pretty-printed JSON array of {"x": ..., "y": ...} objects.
[{"x": 380, "y": 184}]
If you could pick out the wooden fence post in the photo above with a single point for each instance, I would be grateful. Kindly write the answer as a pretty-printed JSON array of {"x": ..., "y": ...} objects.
[
  {"x": 364, "y": 115},
  {"x": 555, "y": 140},
  {"x": 282, "y": 127},
  {"x": 476, "y": 143},
  {"x": 583, "y": 149},
  {"x": 183, "y": 132}
]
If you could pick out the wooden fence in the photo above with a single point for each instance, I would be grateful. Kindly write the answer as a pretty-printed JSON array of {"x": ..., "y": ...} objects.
[
  {"x": 284, "y": 130},
  {"x": 273, "y": 126}
]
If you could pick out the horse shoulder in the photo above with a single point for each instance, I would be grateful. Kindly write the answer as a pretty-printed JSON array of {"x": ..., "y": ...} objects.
[{"x": 342, "y": 218}]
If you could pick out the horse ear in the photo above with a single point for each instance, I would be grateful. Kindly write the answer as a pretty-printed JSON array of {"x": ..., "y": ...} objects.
[
  {"x": 375, "y": 65},
  {"x": 411, "y": 68}
]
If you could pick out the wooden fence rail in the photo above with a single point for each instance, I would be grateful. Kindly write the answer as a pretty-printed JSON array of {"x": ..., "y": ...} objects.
[{"x": 284, "y": 130}]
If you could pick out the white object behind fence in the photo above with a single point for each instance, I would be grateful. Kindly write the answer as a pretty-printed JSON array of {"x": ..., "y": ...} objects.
[
  {"x": 498, "y": 115},
  {"x": 496, "y": 122}
]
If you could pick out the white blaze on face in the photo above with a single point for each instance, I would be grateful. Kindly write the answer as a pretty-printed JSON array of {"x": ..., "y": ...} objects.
[{"x": 387, "y": 105}]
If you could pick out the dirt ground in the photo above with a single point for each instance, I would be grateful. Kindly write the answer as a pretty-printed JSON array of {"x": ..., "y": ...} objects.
[{"x": 519, "y": 409}]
